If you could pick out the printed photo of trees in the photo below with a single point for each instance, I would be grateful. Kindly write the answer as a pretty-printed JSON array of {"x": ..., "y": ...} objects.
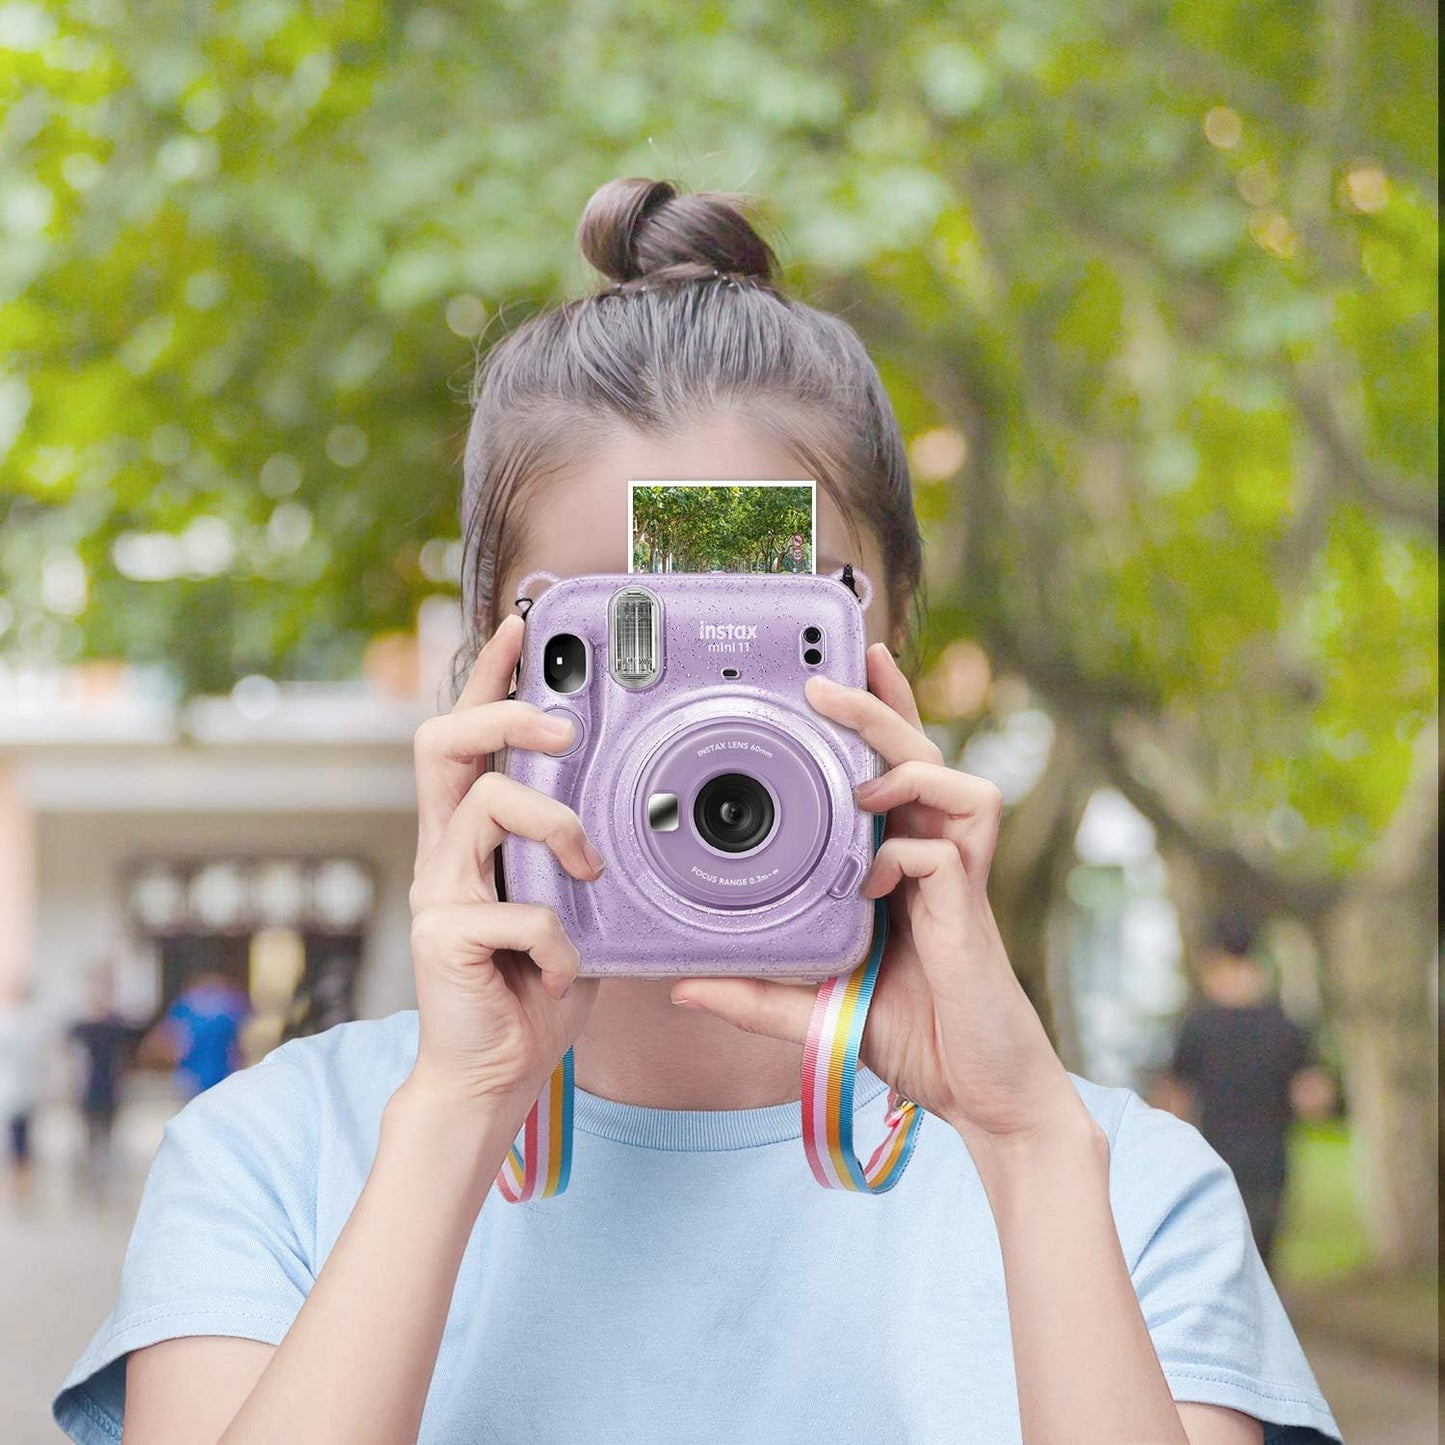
[{"x": 748, "y": 527}]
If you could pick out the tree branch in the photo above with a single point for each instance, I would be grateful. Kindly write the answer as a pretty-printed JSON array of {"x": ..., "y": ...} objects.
[{"x": 1392, "y": 494}]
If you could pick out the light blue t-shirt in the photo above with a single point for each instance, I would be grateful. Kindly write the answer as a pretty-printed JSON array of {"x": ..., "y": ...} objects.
[{"x": 693, "y": 1283}]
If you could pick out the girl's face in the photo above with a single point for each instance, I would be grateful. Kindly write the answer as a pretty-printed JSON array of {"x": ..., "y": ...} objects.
[{"x": 577, "y": 523}]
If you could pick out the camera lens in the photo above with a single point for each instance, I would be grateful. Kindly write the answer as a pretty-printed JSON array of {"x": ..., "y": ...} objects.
[
  {"x": 812, "y": 634},
  {"x": 812, "y": 657},
  {"x": 733, "y": 812}
]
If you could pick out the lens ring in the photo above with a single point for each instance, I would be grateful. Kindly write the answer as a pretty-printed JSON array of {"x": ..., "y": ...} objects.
[
  {"x": 678, "y": 753},
  {"x": 733, "y": 812},
  {"x": 812, "y": 634}
]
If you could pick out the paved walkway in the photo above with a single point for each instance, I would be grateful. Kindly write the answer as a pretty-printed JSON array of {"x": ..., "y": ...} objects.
[
  {"x": 59, "y": 1264},
  {"x": 1376, "y": 1401},
  {"x": 59, "y": 1272}
]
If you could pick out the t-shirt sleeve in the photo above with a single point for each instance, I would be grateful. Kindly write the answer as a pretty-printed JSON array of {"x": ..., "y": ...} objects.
[
  {"x": 224, "y": 1239},
  {"x": 1217, "y": 1322}
]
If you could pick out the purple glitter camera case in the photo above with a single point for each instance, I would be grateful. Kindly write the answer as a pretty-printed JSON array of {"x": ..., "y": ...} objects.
[{"x": 670, "y": 776}]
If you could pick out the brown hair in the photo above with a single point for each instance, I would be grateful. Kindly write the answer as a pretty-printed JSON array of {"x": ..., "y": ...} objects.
[{"x": 695, "y": 323}]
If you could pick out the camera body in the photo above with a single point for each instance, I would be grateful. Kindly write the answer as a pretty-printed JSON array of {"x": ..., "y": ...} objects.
[{"x": 722, "y": 802}]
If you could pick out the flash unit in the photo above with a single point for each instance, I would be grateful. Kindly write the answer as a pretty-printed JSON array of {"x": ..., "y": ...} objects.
[{"x": 634, "y": 637}]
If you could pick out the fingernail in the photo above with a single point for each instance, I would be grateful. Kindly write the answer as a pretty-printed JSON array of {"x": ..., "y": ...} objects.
[
  {"x": 593, "y": 857},
  {"x": 560, "y": 728},
  {"x": 866, "y": 789}
]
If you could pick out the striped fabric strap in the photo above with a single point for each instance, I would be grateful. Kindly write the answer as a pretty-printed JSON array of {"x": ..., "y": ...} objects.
[
  {"x": 541, "y": 1167},
  {"x": 830, "y": 1067}
]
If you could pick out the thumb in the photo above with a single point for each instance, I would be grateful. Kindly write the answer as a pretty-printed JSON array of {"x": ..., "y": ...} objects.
[{"x": 757, "y": 1006}]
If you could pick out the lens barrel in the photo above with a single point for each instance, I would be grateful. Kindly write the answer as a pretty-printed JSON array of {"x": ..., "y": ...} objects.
[{"x": 733, "y": 812}]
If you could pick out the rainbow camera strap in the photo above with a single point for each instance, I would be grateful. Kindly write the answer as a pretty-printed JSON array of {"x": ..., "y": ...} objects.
[
  {"x": 542, "y": 1165},
  {"x": 830, "y": 1068}
]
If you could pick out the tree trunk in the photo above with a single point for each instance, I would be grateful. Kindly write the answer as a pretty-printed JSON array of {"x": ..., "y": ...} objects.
[
  {"x": 1031, "y": 863},
  {"x": 1383, "y": 950}
]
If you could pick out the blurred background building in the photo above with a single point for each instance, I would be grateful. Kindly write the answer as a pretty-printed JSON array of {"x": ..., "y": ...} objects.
[{"x": 268, "y": 834}]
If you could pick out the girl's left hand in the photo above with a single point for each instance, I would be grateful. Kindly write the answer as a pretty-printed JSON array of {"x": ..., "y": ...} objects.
[{"x": 949, "y": 1026}]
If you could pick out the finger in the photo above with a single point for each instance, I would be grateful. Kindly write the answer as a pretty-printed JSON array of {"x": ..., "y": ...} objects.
[
  {"x": 963, "y": 795},
  {"x": 935, "y": 865},
  {"x": 458, "y": 934},
  {"x": 459, "y": 867},
  {"x": 451, "y": 751},
  {"x": 972, "y": 806},
  {"x": 887, "y": 680},
  {"x": 757, "y": 1006},
  {"x": 945, "y": 925},
  {"x": 892, "y": 737},
  {"x": 490, "y": 679}
]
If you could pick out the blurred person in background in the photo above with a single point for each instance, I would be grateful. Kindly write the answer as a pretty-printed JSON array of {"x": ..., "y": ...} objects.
[
  {"x": 200, "y": 1034},
  {"x": 105, "y": 1041},
  {"x": 22, "y": 1049},
  {"x": 1243, "y": 1070}
]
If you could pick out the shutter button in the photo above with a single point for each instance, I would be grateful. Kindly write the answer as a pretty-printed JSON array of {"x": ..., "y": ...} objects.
[
  {"x": 849, "y": 876},
  {"x": 578, "y": 730}
]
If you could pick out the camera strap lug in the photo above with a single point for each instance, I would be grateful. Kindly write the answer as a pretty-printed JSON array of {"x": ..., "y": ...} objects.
[{"x": 858, "y": 583}]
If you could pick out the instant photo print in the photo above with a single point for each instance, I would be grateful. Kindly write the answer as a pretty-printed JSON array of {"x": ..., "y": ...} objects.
[{"x": 722, "y": 526}]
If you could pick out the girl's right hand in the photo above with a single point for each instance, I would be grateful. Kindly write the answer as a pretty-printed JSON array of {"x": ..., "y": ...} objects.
[{"x": 494, "y": 1022}]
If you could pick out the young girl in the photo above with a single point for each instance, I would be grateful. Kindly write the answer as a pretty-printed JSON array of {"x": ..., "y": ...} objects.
[{"x": 320, "y": 1254}]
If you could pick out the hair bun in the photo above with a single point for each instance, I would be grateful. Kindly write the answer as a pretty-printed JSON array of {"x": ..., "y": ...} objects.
[{"x": 633, "y": 228}]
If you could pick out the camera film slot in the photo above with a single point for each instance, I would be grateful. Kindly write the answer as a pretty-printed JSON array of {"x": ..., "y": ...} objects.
[{"x": 634, "y": 643}]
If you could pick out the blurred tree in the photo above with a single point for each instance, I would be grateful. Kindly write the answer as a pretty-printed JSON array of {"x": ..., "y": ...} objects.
[
  {"x": 1197, "y": 455},
  {"x": 1153, "y": 288}
]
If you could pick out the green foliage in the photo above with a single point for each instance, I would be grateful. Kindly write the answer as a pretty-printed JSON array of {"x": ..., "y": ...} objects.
[
  {"x": 1322, "y": 1236},
  {"x": 1169, "y": 269}
]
